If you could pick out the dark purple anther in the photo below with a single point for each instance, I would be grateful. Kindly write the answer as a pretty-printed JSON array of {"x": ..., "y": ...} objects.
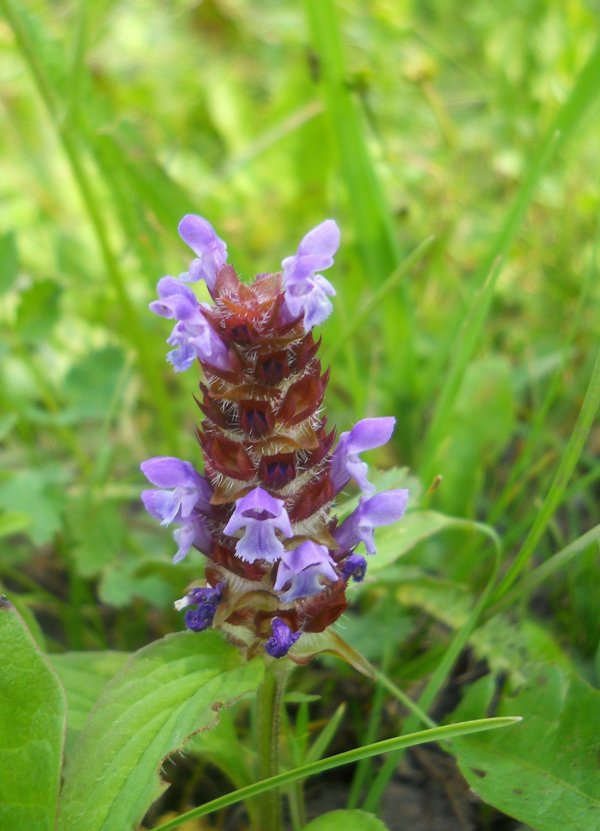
[{"x": 281, "y": 640}]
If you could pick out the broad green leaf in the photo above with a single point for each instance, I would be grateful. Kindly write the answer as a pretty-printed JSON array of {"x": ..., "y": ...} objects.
[
  {"x": 84, "y": 676},
  {"x": 168, "y": 691},
  {"x": 26, "y": 492},
  {"x": 546, "y": 773},
  {"x": 31, "y": 729},
  {"x": 345, "y": 820}
]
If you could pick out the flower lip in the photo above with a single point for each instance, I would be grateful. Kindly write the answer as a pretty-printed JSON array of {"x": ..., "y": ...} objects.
[
  {"x": 260, "y": 515},
  {"x": 302, "y": 568},
  {"x": 372, "y": 512}
]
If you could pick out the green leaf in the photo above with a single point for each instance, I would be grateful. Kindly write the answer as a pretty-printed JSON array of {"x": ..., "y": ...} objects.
[
  {"x": 38, "y": 311},
  {"x": 343, "y": 820},
  {"x": 505, "y": 646},
  {"x": 99, "y": 528},
  {"x": 84, "y": 676},
  {"x": 31, "y": 729},
  {"x": 90, "y": 385},
  {"x": 26, "y": 492},
  {"x": 395, "y": 540},
  {"x": 168, "y": 691},
  {"x": 545, "y": 773}
]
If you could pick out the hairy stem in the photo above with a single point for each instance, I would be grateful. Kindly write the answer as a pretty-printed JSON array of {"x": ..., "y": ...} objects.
[{"x": 268, "y": 721}]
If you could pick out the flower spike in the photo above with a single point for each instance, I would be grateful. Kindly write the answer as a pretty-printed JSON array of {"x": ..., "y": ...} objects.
[{"x": 278, "y": 562}]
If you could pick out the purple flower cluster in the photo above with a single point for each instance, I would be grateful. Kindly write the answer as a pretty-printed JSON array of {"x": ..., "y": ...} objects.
[{"x": 262, "y": 512}]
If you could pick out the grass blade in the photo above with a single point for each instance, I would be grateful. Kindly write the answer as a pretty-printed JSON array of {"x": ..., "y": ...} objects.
[
  {"x": 567, "y": 465},
  {"x": 467, "y": 333},
  {"x": 436, "y": 734}
]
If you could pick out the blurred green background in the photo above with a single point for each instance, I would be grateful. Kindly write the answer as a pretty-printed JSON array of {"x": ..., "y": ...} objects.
[{"x": 456, "y": 144}]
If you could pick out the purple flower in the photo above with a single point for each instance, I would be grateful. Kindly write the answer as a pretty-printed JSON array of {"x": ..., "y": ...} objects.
[
  {"x": 181, "y": 489},
  {"x": 261, "y": 515},
  {"x": 306, "y": 292},
  {"x": 182, "y": 492},
  {"x": 302, "y": 568},
  {"x": 281, "y": 640},
  {"x": 365, "y": 435},
  {"x": 205, "y": 601},
  {"x": 381, "y": 509},
  {"x": 176, "y": 301},
  {"x": 193, "y": 336},
  {"x": 309, "y": 299},
  {"x": 210, "y": 250},
  {"x": 354, "y": 566}
]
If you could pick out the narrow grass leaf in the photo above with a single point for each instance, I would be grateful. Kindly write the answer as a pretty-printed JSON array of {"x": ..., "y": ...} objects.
[
  {"x": 565, "y": 470},
  {"x": 411, "y": 740},
  {"x": 465, "y": 336}
]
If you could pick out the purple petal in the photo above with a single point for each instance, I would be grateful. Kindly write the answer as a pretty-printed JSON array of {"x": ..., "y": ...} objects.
[
  {"x": 365, "y": 435},
  {"x": 196, "y": 338},
  {"x": 304, "y": 567},
  {"x": 170, "y": 472},
  {"x": 309, "y": 300},
  {"x": 281, "y": 640},
  {"x": 370, "y": 433},
  {"x": 260, "y": 514},
  {"x": 182, "y": 489},
  {"x": 381, "y": 509},
  {"x": 193, "y": 533},
  {"x": 162, "y": 505},
  {"x": 259, "y": 505},
  {"x": 315, "y": 252},
  {"x": 211, "y": 251},
  {"x": 204, "y": 596},
  {"x": 259, "y": 543},
  {"x": 175, "y": 300},
  {"x": 306, "y": 292}
]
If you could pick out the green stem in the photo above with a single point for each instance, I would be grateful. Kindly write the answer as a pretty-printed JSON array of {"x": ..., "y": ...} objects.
[{"x": 268, "y": 720}]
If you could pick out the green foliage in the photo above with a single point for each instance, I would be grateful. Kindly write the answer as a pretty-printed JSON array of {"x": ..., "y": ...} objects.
[
  {"x": 342, "y": 820},
  {"x": 546, "y": 772},
  {"x": 168, "y": 691},
  {"x": 84, "y": 676},
  {"x": 31, "y": 729},
  {"x": 456, "y": 145}
]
